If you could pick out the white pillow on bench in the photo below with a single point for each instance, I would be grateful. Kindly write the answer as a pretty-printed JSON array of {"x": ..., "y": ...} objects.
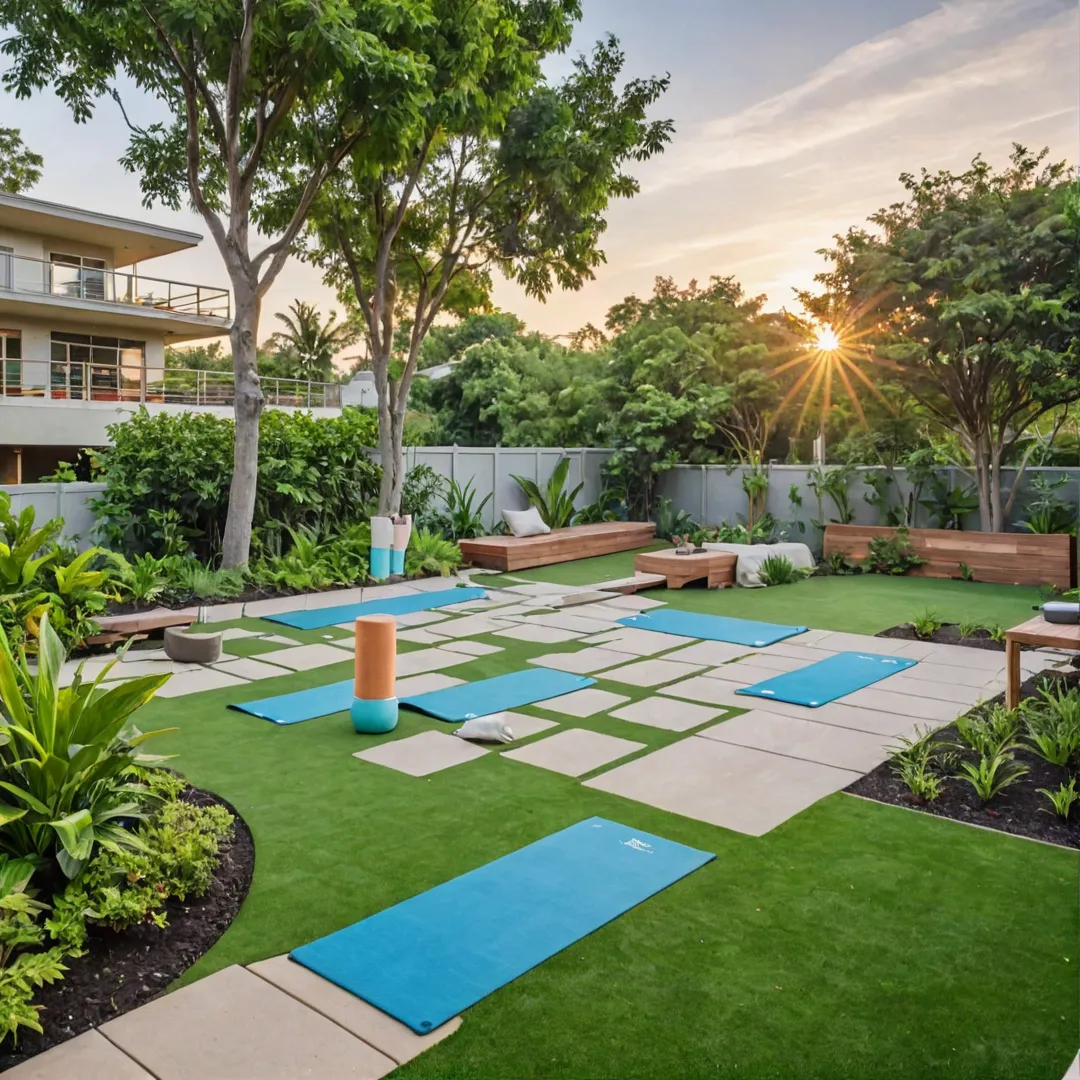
[{"x": 525, "y": 522}]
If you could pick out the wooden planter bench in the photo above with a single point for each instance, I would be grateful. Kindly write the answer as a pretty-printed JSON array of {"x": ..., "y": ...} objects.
[
  {"x": 1006, "y": 558},
  {"x": 560, "y": 545}
]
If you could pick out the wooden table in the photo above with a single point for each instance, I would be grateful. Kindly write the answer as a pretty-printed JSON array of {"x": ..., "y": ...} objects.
[
  {"x": 716, "y": 567},
  {"x": 1035, "y": 631}
]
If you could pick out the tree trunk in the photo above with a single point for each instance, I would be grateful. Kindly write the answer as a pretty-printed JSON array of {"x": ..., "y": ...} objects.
[
  {"x": 384, "y": 393},
  {"x": 982, "y": 480},
  {"x": 997, "y": 523},
  {"x": 397, "y": 450},
  {"x": 248, "y": 397}
]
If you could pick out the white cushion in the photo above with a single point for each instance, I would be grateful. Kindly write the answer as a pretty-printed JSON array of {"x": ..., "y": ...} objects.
[
  {"x": 751, "y": 556},
  {"x": 525, "y": 522}
]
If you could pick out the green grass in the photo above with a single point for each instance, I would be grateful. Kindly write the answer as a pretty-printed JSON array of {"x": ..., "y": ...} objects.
[{"x": 856, "y": 940}]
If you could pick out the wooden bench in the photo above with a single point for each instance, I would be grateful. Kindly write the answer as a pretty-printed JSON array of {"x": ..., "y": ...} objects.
[
  {"x": 715, "y": 568},
  {"x": 558, "y": 546},
  {"x": 121, "y": 627},
  {"x": 1006, "y": 558},
  {"x": 1040, "y": 633}
]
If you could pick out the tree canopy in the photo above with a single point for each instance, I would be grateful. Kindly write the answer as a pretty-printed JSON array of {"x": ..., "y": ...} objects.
[{"x": 20, "y": 167}]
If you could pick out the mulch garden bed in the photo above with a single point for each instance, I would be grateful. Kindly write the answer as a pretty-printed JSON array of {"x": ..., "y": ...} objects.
[
  {"x": 949, "y": 634},
  {"x": 1019, "y": 810},
  {"x": 123, "y": 971}
]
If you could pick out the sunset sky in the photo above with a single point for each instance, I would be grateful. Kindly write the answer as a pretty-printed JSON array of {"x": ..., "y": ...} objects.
[{"x": 793, "y": 121}]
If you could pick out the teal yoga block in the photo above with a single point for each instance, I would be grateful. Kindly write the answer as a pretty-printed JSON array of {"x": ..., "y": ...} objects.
[{"x": 374, "y": 717}]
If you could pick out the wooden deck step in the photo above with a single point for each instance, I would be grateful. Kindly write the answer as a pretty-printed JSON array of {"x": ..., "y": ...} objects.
[{"x": 508, "y": 553}]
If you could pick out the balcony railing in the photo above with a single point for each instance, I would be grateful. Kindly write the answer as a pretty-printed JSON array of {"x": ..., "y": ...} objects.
[
  {"x": 137, "y": 385},
  {"x": 21, "y": 274}
]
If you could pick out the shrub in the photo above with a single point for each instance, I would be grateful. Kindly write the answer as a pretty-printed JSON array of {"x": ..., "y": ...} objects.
[
  {"x": 189, "y": 579},
  {"x": 419, "y": 492},
  {"x": 167, "y": 478},
  {"x": 429, "y": 553},
  {"x": 670, "y": 521},
  {"x": 837, "y": 565},
  {"x": 891, "y": 554},
  {"x": 779, "y": 570},
  {"x": 554, "y": 502},
  {"x": 926, "y": 625},
  {"x": 460, "y": 518}
]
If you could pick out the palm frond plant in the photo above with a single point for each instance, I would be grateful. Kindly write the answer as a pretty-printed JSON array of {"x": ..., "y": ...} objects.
[
  {"x": 554, "y": 503},
  {"x": 430, "y": 554}
]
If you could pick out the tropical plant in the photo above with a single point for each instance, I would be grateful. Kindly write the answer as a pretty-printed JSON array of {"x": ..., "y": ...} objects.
[
  {"x": 991, "y": 732},
  {"x": 145, "y": 578},
  {"x": 422, "y": 487},
  {"x": 926, "y": 625},
  {"x": 948, "y": 504},
  {"x": 63, "y": 757},
  {"x": 670, "y": 521},
  {"x": 429, "y": 553},
  {"x": 919, "y": 763},
  {"x": 834, "y": 484},
  {"x": 308, "y": 344},
  {"x": 610, "y": 506},
  {"x": 1052, "y": 724},
  {"x": 992, "y": 774},
  {"x": 755, "y": 483},
  {"x": 966, "y": 573},
  {"x": 968, "y": 629},
  {"x": 1061, "y": 800},
  {"x": 22, "y": 544},
  {"x": 345, "y": 554},
  {"x": 189, "y": 578},
  {"x": 837, "y": 564},
  {"x": 779, "y": 570},
  {"x": 1047, "y": 513},
  {"x": 553, "y": 502},
  {"x": 893, "y": 554},
  {"x": 461, "y": 518}
]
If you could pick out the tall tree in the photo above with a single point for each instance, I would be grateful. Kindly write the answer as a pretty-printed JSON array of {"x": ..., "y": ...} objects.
[
  {"x": 507, "y": 173},
  {"x": 20, "y": 167},
  {"x": 268, "y": 97},
  {"x": 968, "y": 292},
  {"x": 311, "y": 343}
]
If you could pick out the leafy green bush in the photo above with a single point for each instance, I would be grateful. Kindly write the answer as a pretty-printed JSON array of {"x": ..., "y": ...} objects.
[
  {"x": 189, "y": 579},
  {"x": 926, "y": 625},
  {"x": 312, "y": 562},
  {"x": 461, "y": 518},
  {"x": 167, "y": 478},
  {"x": 671, "y": 522},
  {"x": 63, "y": 756},
  {"x": 891, "y": 554},
  {"x": 779, "y": 570},
  {"x": 1052, "y": 725},
  {"x": 429, "y": 553},
  {"x": 837, "y": 565},
  {"x": 553, "y": 501},
  {"x": 421, "y": 488}
]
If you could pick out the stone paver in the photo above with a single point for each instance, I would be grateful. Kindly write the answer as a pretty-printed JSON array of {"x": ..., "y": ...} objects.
[
  {"x": 585, "y": 662},
  {"x": 542, "y": 635},
  {"x": 245, "y": 667},
  {"x": 1073, "y": 1072},
  {"x": 776, "y": 665},
  {"x": 710, "y": 653},
  {"x": 643, "y": 642},
  {"x": 963, "y": 656},
  {"x": 665, "y": 713},
  {"x": 582, "y": 703},
  {"x": 864, "y": 643},
  {"x": 218, "y": 613},
  {"x": 470, "y": 626},
  {"x": 916, "y": 708},
  {"x": 414, "y": 663},
  {"x": 809, "y": 654},
  {"x": 234, "y": 632},
  {"x": 417, "y": 618},
  {"x": 309, "y": 657},
  {"x": 471, "y": 648},
  {"x": 278, "y": 605},
  {"x": 539, "y": 588},
  {"x": 908, "y": 682},
  {"x": 89, "y": 1056},
  {"x": 705, "y": 688},
  {"x": 652, "y": 672},
  {"x": 735, "y": 787},
  {"x": 334, "y": 598},
  {"x": 233, "y": 1025},
  {"x": 524, "y": 727},
  {"x": 826, "y": 744},
  {"x": 634, "y": 602},
  {"x": 388, "y": 592},
  {"x": 579, "y": 623},
  {"x": 915, "y": 650},
  {"x": 129, "y": 669},
  {"x": 574, "y": 752},
  {"x": 423, "y": 754},
  {"x": 422, "y": 636},
  {"x": 195, "y": 682},
  {"x": 286, "y": 642},
  {"x": 425, "y": 683},
  {"x": 739, "y": 675},
  {"x": 366, "y": 1022},
  {"x": 951, "y": 673}
]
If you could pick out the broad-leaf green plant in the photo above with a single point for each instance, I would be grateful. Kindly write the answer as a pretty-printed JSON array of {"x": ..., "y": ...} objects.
[{"x": 554, "y": 503}]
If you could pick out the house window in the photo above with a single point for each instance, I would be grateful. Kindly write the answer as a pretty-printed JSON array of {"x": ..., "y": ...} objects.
[
  {"x": 93, "y": 368},
  {"x": 78, "y": 276},
  {"x": 10, "y": 359},
  {"x": 7, "y": 267}
]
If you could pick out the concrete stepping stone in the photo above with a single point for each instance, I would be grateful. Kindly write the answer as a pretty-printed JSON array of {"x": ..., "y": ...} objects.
[
  {"x": 669, "y": 715},
  {"x": 234, "y": 1025},
  {"x": 424, "y": 754},
  {"x": 809, "y": 654},
  {"x": 376, "y": 1028},
  {"x": 841, "y": 642},
  {"x": 634, "y": 601},
  {"x": 642, "y": 642},
  {"x": 962, "y": 656},
  {"x": 195, "y": 682},
  {"x": 524, "y": 726},
  {"x": 416, "y": 618},
  {"x": 542, "y": 635},
  {"x": 309, "y": 657},
  {"x": 895, "y": 701},
  {"x": 812, "y": 637},
  {"x": 734, "y": 787},
  {"x": 1073, "y": 1071},
  {"x": 470, "y": 626},
  {"x": 651, "y": 672},
  {"x": 764, "y": 662},
  {"x": 89, "y": 1056},
  {"x": 539, "y": 588},
  {"x": 585, "y": 662},
  {"x": 705, "y": 688},
  {"x": 335, "y": 598},
  {"x": 582, "y": 703},
  {"x": 422, "y": 636},
  {"x": 415, "y": 663},
  {"x": 425, "y": 683},
  {"x": 710, "y": 653},
  {"x": 246, "y": 667},
  {"x": 840, "y": 747},
  {"x": 910, "y": 683},
  {"x": 235, "y": 632},
  {"x": 129, "y": 669},
  {"x": 218, "y": 613},
  {"x": 950, "y": 673},
  {"x": 471, "y": 648},
  {"x": 737, "y": 675},
  {"x": 580, "y": 624},
  {"x": 277, "y": 605},
  {"x": 387, "y": 592},
  {"x": 287, "y": 642},
  {"x": 574, "y": 752},
  {"x": 915, "y": 650}
]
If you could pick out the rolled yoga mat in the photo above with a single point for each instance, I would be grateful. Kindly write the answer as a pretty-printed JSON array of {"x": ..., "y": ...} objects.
[
  {"x": 426, "y": 959},
  {"x": 713, "y": 627},
  {"x": 374, "y": 707},
  {"x": 828, "y": 679},
  {"x": 392, "y": 605}
]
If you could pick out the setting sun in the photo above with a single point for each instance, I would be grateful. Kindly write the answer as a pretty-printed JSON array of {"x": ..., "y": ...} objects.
[{"x": 827, "y": 339}]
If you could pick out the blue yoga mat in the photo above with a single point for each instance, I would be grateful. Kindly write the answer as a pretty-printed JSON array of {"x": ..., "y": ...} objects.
[
  {"x": 426, "y": 959},
  {"x": 496, "y": 695},
  {"x": 828, "y": 679},
  {"x": 303, "y": 704},
  {"x": 393, "y": 605},
  {"x": 712, "y": 627}
]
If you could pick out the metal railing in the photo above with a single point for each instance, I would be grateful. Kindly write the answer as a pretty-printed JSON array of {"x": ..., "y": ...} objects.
[
  {"x": 90, "y": 381},
  {"x": 22, "y": 274}
]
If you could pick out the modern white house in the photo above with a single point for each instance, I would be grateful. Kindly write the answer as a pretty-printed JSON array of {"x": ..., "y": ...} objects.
[{"x": 83, "y": 331}]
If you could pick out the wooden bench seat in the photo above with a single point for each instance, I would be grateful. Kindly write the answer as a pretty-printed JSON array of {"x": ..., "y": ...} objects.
[
  {"x": 120, "y": 627},
  {"x": 558, "y": 546}
]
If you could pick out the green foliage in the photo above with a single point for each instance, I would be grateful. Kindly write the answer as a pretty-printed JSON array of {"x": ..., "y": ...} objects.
[
  {"x": 423, "y": 486},
  {"x": 429, "y": 553},
  {"x": 948, "y": 504},
  {"x": 1061, "y": 800},
  {"x": 1052, "y": 725},
  {"x": 63, "y": 756},
  {"x": 146, "y": 578},
  {"x": 1047, "y": 512},
  {"x": 20, "y": 168},
  {"x": 610, "y": 506},
  {"x": 779, "y": 570},
  {"x": 991, "y": 774},
  {"x": 966, "y": 573},
  {"x": 671, "y": 522},
  {"x": 926, "y": 625},
  {"x": 835, "y": 485},
  {"x": 308, "y": 345},
  {"x": 968, "y": 629},
  {"x": 921, "y": 764},
  {"x": 990, "y": 733},
  {"x": 167, "y": 479},
  {"x": 554, "y": 503},
  {"x": 461, "y": 518},
  {"x": 309, "y": 561},
  {"x": 893, "y": 554},
  {"x": 190, "y": 579},
  {"x": 837, "y": 564}
]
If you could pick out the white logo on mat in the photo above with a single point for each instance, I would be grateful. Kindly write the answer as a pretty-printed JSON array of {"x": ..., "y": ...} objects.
[{"x": 638, "y": 845}]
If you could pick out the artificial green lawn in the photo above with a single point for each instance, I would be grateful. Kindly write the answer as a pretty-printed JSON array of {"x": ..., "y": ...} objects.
[{"x": 856, "y": 940}]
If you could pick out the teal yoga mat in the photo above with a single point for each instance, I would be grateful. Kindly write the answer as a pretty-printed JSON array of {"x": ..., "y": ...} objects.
[
  {"x": 496, "y": 695},
  {"x": 712, "y": 627},
  {"x": 303, "y": 704},
  {"x": 392, "y": 605},
  {"x": 828, "y": 679},
  {"x": 426, "y": 959}
]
